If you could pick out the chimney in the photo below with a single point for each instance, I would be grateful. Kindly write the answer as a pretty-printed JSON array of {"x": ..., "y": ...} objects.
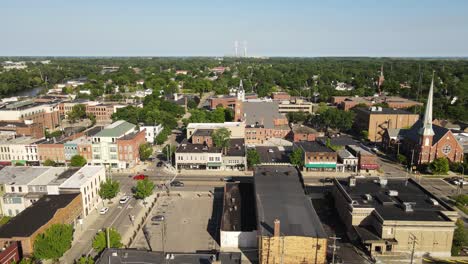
[{"x": 277, "y": 230}]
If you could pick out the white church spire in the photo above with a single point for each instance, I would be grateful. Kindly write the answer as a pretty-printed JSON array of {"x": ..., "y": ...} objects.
[{"x": 426, "y": 129}]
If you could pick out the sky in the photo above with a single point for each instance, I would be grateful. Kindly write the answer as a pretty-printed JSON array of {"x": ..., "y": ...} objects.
[{"x": 302, "y": 28}]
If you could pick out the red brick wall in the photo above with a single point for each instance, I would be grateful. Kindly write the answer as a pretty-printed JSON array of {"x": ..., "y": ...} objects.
[
  {"x": 128, "y": 149},
  {"x": 10, "y": 254},
  {"x": 55, "y": 152},
  {"x": 202, "y": 140},
  {"x": 303, "y": 137}
]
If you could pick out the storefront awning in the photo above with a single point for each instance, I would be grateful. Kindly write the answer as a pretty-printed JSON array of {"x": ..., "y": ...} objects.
[
  {"x": 213, "y": 164},
  {"x": 321, "y": 165}
]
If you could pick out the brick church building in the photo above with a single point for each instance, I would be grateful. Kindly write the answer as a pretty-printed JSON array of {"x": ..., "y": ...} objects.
[{"x": 424, "y": 141}]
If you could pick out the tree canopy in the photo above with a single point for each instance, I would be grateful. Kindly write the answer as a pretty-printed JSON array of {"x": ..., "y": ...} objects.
[
  {"x": 54, "y": 242},
  {"x": 144, "y": 188},
  {"x": 145, "y": 151},
  {"x": 297, "y": 157},
  {"x": 439, "y": 166},
  {"x": 221, "y": 138},
  {"x": 78, "y": 161},
  {"x": 109, "y": 189},
  {"x": 253, "y": 158},
  {"x": 100, "y": 240}
]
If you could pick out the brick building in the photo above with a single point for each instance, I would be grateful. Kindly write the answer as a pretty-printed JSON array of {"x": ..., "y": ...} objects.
[
  {"x": 424, "y": 142},
  {"x": 289, "y": 230},
  {"x": 21, "y": 128},
  {"x": 376, "y": 120},
  {"x": 367, "y": 161},
  {"x": 317, "y": 156},
  {"x": 263, "y": 122},
  {"x": 46, "y": 114},
  {"x": 281, "y": 96},
  {"x": 49, "y": 210},
  {"x": 347, "y": 102},
  {"x": 9, "y": 252},
  {"x": 304, "y": 133},
  {"x": 128, "y": 147},
  {"x": 52, "y": 149}
]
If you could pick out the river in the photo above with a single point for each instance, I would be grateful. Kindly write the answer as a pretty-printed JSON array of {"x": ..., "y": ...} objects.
[{"x": 29, "y": 92}]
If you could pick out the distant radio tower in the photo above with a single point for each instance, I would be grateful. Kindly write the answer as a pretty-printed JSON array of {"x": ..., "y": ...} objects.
[
  {"x": 245, "y": 48},
  {"x": 236, "y": 47}
]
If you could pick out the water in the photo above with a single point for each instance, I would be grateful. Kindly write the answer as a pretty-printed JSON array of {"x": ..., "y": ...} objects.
[{"x": 30, "y": 92}]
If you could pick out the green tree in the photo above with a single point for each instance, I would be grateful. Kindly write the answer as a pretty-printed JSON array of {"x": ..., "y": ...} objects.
[
  {"x": 221, "y": 138},
  {"x": 143, "y": 189},
  {"x": 253, "y": 158},
  {"x": 54, "y": 242},
  {"x": 49, "y": 162},
  {"x": 145, "y": 151},
  {"x": 78, "y": 111},
  {"x": 85, "y": 260},
  {"x": 78, "y": 161},
  {"x": 460, "y": 238},
  {"x": 162, "y": 136},
  {"x": 297, "y": 157},
  {"x": 109, "y": 189},
  {"x": 401, "y": 158},
  {"x": 365, "y": 135},
  {"x": 100, "y": 240},
  {"x": 439, "y": 166}
]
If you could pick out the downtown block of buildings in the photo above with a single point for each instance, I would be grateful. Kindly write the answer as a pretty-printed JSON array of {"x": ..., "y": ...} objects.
[{"x": 38, "y": 197}]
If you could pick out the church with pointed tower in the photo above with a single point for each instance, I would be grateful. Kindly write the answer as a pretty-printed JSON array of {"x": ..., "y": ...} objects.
[{"x": 424, "y": 141}]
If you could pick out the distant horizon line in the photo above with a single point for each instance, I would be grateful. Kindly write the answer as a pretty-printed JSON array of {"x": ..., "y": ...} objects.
[{"x": 226, "y": 56}]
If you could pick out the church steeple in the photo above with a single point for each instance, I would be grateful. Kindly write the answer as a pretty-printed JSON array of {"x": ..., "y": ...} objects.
[{"x": 426, "y": 129}]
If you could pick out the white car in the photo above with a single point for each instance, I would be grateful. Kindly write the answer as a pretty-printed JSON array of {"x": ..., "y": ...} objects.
[
  {"x": 104, "y": 210},
  {"x": 124, "y": 199}
]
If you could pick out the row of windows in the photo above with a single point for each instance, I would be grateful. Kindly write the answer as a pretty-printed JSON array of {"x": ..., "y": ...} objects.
[
  {"x": 321, "y": 158},
  {"x": 202, "y": 158}
]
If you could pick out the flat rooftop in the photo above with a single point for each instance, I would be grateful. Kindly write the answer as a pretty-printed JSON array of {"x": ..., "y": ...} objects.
[
  {"x": 271, "y": 154},
  {"x": 25, "y": 175},
  {"x": 20, "y": 140},
  {"x": 238, "y": 208},
  {"x": 203, "y": 132},
  {"x": 425, "y": 206},
  {"x": 341, "y": 140},
  {"x": 38, "y": 214},
  {"x": 313, "y": 146},
  {"x": 81, "y": 176},
  {"x": 116, "y": 129},
  {"x": 280, "y": 195},
  {"x": 134, "y": 256},
  {"x": 262, "y": 113},
  {"x": 383, "y": 111}
]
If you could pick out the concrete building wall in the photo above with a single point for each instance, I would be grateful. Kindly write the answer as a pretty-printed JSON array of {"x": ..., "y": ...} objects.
[
  {"x": 292, "y": 250},
  {"x": 233, "y": 239}
]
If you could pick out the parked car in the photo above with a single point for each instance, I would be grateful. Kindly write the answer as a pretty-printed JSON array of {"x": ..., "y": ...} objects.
[
  {"x": 140, "y": 177},
  {"x": 158, "y": 218},
  {"x": 104, "y": 210},
  {"x": 177, "y": 184},
  {"x": 159, "y": 164},
  {"x": 124, "y": 199}
]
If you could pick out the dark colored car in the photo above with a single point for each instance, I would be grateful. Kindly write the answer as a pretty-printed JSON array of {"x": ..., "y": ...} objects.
[
  {"x": 177, "y": 184},
  {"x": 159, "y": 164},
  {"x": 140, "y": 177}
]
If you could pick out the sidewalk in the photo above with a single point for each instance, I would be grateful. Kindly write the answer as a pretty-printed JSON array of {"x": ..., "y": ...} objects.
[{"x": 214, "y": 173}]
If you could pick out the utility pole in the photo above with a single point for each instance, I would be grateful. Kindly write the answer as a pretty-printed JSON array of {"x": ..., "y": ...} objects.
[
  {"x": 334, "y": 247},
  {"x": 107, "y": 237}
]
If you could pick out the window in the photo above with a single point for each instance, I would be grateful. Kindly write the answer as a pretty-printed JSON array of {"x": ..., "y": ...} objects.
[
  {"x": 20, "y": 189},
  {"x": 12, "y": 189},
  {"x": 446, "y": 149}
]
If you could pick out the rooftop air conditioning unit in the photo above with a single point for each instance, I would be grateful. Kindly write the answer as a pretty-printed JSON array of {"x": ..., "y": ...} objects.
[
  {"x": 383, "y": 182},
  {"x": 352, "y": 181},
  {"x": 368, "y": 197},
  {"x": 392, "y": 193},
  {"x": 408, "y": 207}
]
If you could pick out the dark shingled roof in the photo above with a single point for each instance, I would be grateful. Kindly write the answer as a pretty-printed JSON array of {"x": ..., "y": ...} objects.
[
  {"x": 32, "y": 218},
  {"x": 413, "y": 133},
  {"x": 280, "y": 195},
  {"x": 342, "y": 140}
]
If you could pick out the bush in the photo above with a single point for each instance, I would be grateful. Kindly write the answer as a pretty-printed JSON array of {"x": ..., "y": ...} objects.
[
  {"x": 460, "y": 238},
  {"x": 100, "y": 240},
  {"x": 439, "y": 166},
  {"x": 78, "y": 161},
  {"x": 401, "y": 159}
]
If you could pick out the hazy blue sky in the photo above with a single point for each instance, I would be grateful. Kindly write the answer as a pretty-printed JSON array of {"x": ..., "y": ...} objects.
[{"x": 210, "y": 27}]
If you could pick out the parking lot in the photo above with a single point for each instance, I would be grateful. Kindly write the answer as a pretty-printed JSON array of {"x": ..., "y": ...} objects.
[{"x": 191, "y": 223}]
